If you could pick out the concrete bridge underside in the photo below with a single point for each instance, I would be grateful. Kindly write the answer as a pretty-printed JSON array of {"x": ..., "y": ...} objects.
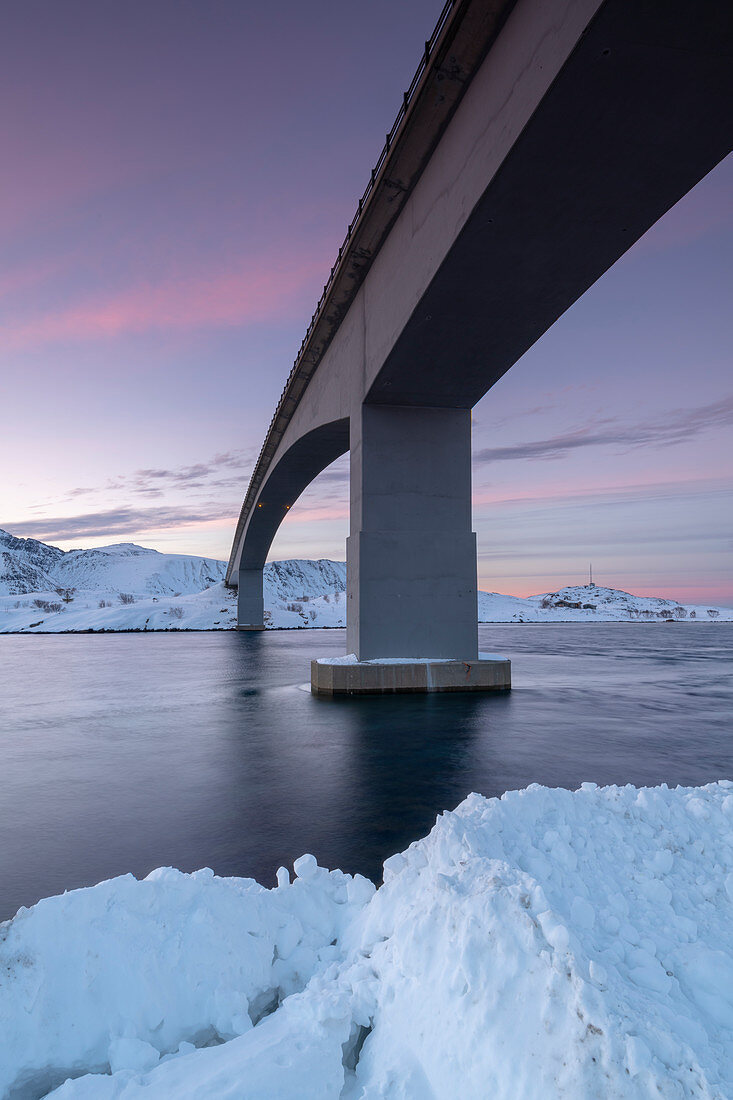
[{"x": 573, "y": 128}]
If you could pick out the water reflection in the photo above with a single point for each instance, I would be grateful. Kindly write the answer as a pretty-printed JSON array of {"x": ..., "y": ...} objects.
[{"x": 408, "y": 758}]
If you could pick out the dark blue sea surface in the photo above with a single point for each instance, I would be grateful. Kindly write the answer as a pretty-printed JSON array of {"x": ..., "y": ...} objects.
[{"x": 130, "y": 751}]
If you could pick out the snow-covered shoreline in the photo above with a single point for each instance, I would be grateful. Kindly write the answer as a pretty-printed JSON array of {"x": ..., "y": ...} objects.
[
  {"x": 317, "y": 626},
  {"x": 546, "y": 944},
  {"x": 128, "y": 588}
]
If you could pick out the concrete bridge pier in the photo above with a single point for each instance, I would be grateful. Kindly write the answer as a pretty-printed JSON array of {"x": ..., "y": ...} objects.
[
  {"x": 411, "y": 553},
  {"x": 411, "y": 559},
  {"x": 250, "y": 600}
]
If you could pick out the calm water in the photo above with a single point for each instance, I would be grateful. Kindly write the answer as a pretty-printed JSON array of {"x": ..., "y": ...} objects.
[{"x": 126, "y": 752}]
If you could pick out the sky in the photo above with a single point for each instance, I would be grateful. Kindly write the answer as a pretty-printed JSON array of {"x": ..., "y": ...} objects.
[{"x": 176, "y": 180}]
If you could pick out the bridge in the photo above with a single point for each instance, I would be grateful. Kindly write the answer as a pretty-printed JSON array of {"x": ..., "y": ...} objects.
[{"x": 537, "y": 142}]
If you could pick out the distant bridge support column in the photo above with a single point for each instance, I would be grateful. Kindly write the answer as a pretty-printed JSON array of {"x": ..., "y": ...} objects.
[
  {"x": 250, "y": 600},
  {"x": 411, "y": 559}
]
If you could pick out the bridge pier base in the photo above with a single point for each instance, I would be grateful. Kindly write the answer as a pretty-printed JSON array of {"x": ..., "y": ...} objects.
[
  {"x": 340, "y": 676},
  {"x": 250, "y": 600}
]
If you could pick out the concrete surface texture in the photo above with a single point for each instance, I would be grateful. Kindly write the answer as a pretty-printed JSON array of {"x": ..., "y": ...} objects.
[
  {"x": 577, "y": 125},
  {"x": 411, "y": 554},
  {"x": 388, "y": 678}
]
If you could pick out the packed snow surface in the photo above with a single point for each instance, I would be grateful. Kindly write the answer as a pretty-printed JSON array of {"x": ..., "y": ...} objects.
[
  {"x": 127, "y": 587},
  {"x": 546, "y": 944}
]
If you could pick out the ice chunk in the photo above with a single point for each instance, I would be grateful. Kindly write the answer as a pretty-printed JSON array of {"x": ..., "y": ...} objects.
[
  {"x": 305, "y": 867},
  {"x": 393, "y": 866},
  {"x": 283, "y": 876},
  {"x": 582, "y": 913},
  {"x": 129, "y": 1052}
]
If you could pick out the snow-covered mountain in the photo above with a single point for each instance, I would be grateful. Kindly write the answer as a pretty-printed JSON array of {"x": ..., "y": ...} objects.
[
  {"x": 134, "y": 568},
  {"x": 296, "y": 578},
  {"x": 26, "y": 565},
  {"x": 31, "y": 566},
  {"x": 127, "y": 587}
]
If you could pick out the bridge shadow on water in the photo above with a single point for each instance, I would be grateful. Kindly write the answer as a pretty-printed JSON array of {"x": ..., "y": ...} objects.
[
  {"x": 409, "y": 757},
  {"x": 350, "y": 779}
]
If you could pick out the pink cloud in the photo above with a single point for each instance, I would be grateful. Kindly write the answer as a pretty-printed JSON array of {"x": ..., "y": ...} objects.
[{"x": 252, "y": 293}]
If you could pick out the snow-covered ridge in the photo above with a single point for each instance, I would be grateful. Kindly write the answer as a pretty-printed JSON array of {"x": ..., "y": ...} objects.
[
  {"x": 548, "y": 944},
  {"x": 592, "y": 603},
  {"x": 299, "y": 579},
  {"x": 29, "y": 566},
  {"x": 128, "y": 587},
  {"x": 26, "y": 565}
]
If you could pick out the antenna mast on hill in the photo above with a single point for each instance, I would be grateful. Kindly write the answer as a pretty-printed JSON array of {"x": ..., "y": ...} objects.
[{"x": 590, "y": 575}]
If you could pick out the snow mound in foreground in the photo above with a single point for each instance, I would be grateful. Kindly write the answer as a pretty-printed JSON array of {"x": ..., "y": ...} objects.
[{"x": 545, "y": 944}]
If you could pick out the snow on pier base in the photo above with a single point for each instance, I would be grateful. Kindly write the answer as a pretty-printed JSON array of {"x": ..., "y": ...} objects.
[
  {"x": 548, "y": 944},
  {"x": 391, "y": 675}
]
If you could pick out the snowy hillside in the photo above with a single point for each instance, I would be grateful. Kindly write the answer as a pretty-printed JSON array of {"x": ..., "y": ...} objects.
[
  {"x": 133, "y": 568},
  {"x": 26, "y": 565},
  {"x": 30, "y": 566},
  {"x": 296, "y": 578},
  {"x": 591, "y": 603},
  {"x": 127, "y": 587},
  {"x": 550, "y": 943}
]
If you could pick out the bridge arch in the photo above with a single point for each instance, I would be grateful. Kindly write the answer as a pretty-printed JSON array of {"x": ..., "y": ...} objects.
[{"x": 288, "y": 476}]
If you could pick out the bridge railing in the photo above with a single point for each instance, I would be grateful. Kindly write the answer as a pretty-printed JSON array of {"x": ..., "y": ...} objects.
[
  {"x": 302, "y": 371},
  {"x": 406, "y": 100}
]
